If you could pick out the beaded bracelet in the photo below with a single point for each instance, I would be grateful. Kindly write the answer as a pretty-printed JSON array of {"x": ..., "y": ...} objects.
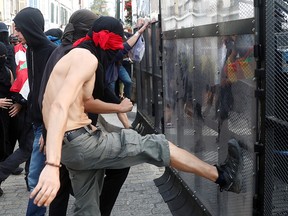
[{"x": 52, "y": 164}]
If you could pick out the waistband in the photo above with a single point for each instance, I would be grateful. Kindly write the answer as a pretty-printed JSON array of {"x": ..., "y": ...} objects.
[{"x": 72, "y": 134}]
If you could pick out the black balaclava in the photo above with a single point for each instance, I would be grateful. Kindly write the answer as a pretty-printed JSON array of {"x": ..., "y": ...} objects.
[
  {"x": 4, "y": 76},
  {"x": 3, "y": 54},
  {"x": 79, "y": 24},
  {"x": 4, "y": 33},
  {"x": 103, "y": 23},
  {"x": 30, "y": 22},
  {"x": 104, "y": 57}
]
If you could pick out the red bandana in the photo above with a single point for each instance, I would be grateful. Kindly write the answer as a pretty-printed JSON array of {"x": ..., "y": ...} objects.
[{"x": 105, "y": 39}]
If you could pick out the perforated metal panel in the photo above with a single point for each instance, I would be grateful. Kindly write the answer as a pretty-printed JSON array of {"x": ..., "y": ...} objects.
[
  {"x": 209, "y": 93},
  {"x": 213, "y": 101},
  {"x": 224, "y": 71},
  {"x": 276, "y": 143}
]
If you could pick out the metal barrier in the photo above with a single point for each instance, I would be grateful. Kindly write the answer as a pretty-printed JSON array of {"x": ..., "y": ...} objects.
[
  {"x": 275, "y": 175},
  {"x": 215, "y": 70}
]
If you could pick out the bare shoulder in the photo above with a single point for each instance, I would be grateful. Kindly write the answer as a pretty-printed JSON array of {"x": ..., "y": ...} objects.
[
  {"x": 81, "y": 54},
  {"x": 83, "y": 60}
]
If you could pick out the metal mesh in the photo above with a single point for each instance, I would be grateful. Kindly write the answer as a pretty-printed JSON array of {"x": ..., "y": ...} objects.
[
  {"x": 276, "y": 149},
  {"x": 210, "y": 98}
]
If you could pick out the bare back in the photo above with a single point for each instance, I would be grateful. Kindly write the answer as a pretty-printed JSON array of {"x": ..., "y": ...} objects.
[{"x": 75, "y": 72}]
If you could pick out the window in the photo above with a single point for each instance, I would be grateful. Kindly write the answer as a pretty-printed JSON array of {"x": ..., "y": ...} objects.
[{"x": 52, "y": 12}]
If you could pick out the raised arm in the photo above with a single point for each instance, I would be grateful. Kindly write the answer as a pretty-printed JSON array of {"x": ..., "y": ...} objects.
[{"x": 133, "y": 39}]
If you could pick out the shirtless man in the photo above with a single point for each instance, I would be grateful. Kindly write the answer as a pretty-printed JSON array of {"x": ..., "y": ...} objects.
[{"x": 86, "y": 150}]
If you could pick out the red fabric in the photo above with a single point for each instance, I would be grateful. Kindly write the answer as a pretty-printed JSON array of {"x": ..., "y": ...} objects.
[
  {"x": 19, "y": 82},
  {"x": 21, "y": 69},
  {"x": 105, "y": 39},
  {"x": 81, "y": 40}
]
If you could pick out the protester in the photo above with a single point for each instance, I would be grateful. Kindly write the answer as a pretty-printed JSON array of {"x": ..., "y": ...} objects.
[
  {"x": 20, "y": 129},
  {"x": 19, "y": 99},
  {"x": 4, "y": 38},
  {"x": 105, "y": 90},
  {"x": 111, "y": 69},
  {"x": 124, "y": 73},
  {"x": 6, "y": 80},
  {"x": 29, "y": 24},
  {"x": 77, "y": 27},
  {"x": 125, "y": 79},
  {"x": 116, "y": 70},
  {"x": 54, "y": 35},
  {"x": 10, "y": 64},
  {"x": 86, "y": 149}
]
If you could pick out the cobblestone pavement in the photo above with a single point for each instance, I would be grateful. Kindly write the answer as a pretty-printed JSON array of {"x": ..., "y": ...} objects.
[{"x": 138, "y": 196}]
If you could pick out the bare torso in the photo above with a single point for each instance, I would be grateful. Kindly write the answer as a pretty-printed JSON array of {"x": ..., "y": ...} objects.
[{"x": 59, "y": 83}]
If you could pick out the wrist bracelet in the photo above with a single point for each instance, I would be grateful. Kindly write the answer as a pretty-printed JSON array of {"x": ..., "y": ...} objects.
[{"x": 52, "y": 164}]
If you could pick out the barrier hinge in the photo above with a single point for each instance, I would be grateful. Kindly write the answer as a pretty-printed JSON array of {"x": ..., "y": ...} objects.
[
  {"x": 259, "y": 73},
  {"x": 260, "y": 94},
  {"x": 257, "y": 51},
  {"x": 258, "y": 147}
]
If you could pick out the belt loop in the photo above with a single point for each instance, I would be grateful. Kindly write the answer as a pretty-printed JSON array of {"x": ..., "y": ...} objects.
[
  {"x": 65, "y": 140},
  {"x": 88, "y": 128}
]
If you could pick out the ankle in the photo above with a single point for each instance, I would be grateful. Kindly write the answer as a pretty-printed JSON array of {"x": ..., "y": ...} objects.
[{"x": 220, "y": 180}]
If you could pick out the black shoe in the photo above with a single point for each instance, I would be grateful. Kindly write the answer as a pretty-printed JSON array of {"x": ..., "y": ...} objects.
[
  {"x": 17, "y": 171},
  {"x": 26, "y": 181},
  {"x": 232, "y": 167}
]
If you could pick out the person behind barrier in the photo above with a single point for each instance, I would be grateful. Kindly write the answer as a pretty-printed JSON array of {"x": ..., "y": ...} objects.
[
  {"x": 20, "y": 128},
  {"x": 6, "y": 80},
  {"x": 4, "y": 38}
]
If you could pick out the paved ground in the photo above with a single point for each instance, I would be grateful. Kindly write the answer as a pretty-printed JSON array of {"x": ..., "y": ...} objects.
[{"x": 139, "y": 195}]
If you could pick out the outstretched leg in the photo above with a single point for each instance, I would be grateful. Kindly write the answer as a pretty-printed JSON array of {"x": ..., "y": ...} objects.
[
  {"x": 228, "y": 175},
  {"x": 185, "y": 161}
]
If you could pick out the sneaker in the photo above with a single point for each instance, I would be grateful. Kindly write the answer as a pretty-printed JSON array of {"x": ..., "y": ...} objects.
[
  {"x": 17, "y": 171},
  {"x": 231, "y": 169}
]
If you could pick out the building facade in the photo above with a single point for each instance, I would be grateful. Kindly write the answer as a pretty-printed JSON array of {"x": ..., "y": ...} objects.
[{"x": 56, "y": 12}]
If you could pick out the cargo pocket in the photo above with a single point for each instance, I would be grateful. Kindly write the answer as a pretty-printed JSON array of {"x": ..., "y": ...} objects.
[{"x": 130, "y": 143}]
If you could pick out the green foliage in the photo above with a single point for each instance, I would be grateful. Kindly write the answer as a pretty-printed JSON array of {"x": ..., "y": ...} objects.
[{"x": 99, "y": 7}]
